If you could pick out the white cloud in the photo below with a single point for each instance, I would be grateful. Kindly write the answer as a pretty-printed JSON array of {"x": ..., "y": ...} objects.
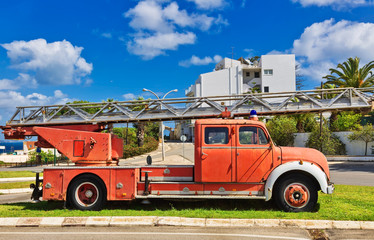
[
  {"x": 6, "y": 84},
  {"x": 107, "y": 35},
  {"x": 129, "y": 96},
  {"x": 152, "y": 46},
  {"x": 336, "y": 4},
  {"x": 276, "y": 52},
  {"x": 23, "y": 80},
  {"x": 88, "y": 82},
  {"x": 59, "y": 94},
  {"x": 209, "y": 4},
  {"x": 148, "y": 15},
  {"x": 322, "y": 45},
  {"x": 56, "y": 63},
  {"x": 9, "y": 100},
  {"x": 194, "y": 60},
  {"x": 243, "y": 3},
  {"x": 161, "y": 26}
]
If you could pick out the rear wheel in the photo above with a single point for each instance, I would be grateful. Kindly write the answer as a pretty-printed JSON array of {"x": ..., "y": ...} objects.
[
  {"x": 296, "y": 193},
  {"x": 87, "y": 193}
]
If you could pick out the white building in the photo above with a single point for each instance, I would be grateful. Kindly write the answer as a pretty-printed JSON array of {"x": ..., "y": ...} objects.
[{"x": 272, "y": 73}]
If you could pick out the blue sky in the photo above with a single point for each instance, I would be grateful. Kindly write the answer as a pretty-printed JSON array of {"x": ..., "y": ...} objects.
[{"x": 57, "y": 51}]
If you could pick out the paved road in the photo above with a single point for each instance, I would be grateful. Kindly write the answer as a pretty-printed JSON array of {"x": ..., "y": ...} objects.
[
  {"x": 352, "y": 173},
  {"x": 180, "y": 233},
  {"x": 152, "y": 233},
  {"x": 15, "y": 198}
]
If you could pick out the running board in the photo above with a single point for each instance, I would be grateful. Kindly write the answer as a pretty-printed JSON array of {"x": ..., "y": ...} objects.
[{"x": 198, "y": 197}]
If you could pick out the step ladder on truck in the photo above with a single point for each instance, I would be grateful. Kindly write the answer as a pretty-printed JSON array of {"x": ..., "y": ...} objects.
[{"x": 234, "y": 158}]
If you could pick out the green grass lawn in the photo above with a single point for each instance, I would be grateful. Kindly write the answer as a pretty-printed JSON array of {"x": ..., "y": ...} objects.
[
  {"x": 347, "y": 203},
  {"x": 13, "y": 174},
  {"x": 15, "y": 185}
]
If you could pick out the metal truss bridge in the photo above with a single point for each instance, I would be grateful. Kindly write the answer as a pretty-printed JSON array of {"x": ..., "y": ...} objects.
[{"x": 195, "y": 107}]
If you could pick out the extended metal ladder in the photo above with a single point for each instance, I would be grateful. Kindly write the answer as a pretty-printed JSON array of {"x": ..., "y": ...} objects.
[{"x": 194, "y": 107}]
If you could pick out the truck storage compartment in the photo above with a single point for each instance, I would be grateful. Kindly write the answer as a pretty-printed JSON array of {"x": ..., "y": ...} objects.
[{"x": 119, "y": 182}]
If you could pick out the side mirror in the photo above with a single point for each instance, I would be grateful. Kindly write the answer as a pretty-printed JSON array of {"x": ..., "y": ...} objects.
[{"x": 149, "y": 160}]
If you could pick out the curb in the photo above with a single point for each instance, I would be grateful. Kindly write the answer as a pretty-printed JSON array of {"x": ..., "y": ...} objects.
[{"x": 180, "y": 221}]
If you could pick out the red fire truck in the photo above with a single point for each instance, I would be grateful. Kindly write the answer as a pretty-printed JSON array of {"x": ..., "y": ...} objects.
[{"x": 234, "y": 159}]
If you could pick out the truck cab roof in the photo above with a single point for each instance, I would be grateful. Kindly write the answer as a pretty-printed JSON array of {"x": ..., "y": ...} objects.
[{"x": 228, "y": 122}]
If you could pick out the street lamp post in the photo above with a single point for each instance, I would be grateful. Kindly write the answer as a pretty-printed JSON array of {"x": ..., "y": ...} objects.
[{"x": 161, "y": 123}]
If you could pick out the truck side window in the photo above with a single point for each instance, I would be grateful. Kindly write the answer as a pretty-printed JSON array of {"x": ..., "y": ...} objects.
[
  {"x": 248, "y": 135},
  {"x": 216, "y": 135},
  {"x": 262, "y": 137},
  {"x": 252, "y": 135}
]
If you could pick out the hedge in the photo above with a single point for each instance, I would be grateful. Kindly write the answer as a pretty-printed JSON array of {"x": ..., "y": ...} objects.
[{"x": 150, "y": 144}]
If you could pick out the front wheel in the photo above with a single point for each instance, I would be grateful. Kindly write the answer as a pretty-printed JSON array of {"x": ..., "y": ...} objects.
[
  {"x": 296, "y": 193},
  {"x": 87, "y": 192}
]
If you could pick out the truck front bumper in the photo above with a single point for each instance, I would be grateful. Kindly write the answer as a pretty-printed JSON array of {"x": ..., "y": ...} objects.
[{"x": 330, "y": 188}]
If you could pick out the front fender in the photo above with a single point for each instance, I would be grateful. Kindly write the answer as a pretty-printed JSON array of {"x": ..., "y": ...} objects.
[{"x": 307, "y": 167}]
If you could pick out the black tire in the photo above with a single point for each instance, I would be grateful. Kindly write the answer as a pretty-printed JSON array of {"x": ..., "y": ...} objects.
[
  {"x": 296, "y": 193},
  {"x": 87, "y": 192}
]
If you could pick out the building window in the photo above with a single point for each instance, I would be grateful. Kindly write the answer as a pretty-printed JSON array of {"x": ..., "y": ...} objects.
[
  {"x": 257, "y": 74},
  {"x": 216, "y": 135},
  {"x": 266, "y": 89},
  {"x": 247, "y": 74},
  {"x": 268, "y": 72}
]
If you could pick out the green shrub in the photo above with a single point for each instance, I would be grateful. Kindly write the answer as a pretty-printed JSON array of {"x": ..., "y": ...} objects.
[
  {"x": 347, "y": 121},
  {"x": 282, "y": 129},
  {"x": 364, "y": 134},
  {"x": 44, "y": 155},
  {"x": 131, "y": 150},
  {"x": 331, "y": 144}
]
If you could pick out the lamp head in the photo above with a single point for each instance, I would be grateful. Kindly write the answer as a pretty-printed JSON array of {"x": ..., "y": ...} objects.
[{"x": 253, "y": 115}]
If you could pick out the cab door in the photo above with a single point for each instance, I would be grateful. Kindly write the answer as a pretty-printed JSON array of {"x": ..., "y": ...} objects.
[
  {"x": 254, "y": 157},
  {"x": 216, "y": 153}
]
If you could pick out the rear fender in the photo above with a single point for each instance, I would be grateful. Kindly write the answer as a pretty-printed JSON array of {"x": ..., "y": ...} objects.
[{"x": 307, "y": 167}]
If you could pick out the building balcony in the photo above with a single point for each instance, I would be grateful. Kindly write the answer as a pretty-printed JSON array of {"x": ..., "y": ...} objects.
[
  {"x": 190, "y": 92},
  {"x": 251, "y": 67}
]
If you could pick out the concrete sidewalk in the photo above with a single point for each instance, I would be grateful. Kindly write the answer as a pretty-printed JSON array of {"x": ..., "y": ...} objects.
[
  {"x": 16, "y": 190},
  {"x": 17, "y": 179},
  {"x": 180, "y": 221}
]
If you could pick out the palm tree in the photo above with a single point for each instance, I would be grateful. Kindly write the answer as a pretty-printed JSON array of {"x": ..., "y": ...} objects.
[
  {"x": 334, "y": 113},
  {"x": 349, "y": 74},
  {"x": 305, "y": 122}
]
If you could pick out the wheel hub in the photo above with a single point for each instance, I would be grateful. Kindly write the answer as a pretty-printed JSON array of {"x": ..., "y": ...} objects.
[
  {"x": 89, "y": 194},
  {"x": 296, "y": 195},
  {"x": 86, "y": 194}
]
